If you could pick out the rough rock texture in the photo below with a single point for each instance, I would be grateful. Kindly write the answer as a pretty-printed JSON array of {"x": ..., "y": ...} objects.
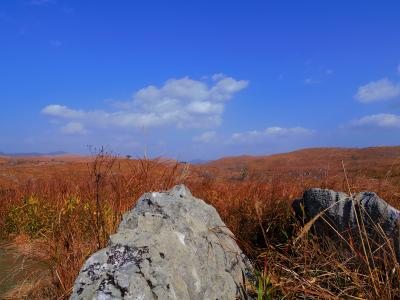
[
  {"x": 170, "y": 246},
  {"x": 341, "y": 213}
]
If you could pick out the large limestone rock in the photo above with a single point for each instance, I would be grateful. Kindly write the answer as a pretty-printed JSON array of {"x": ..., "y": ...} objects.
[
  {"x": 170, "y": 246},
  {"x": 340, "y": 211}
]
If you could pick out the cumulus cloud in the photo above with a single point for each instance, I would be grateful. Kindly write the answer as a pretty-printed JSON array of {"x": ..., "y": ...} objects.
[
  {"x": 379, "y": 120},
  {"x": 218, "y": 76},
  {"x": 270, "y": 133},
  {"x": 62, "y": 111},
  {"x": 205, "y": 107},
  {"x": 73, "y": 128},
  {"x": 379, "y": 90},
  {"x": 206, "y": 137},
  {"x": 179, "y": 102}
]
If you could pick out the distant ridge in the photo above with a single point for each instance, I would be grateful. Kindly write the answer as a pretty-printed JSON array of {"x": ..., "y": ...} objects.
[
  {"x": 320, "y": 151},
  {"x": 198, "y": 161},
  {"x": 55, "y": 153},
  {"x": 312, "y": 162}
]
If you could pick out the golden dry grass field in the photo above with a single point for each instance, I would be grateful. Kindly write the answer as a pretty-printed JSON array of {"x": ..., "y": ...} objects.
[{"x": 56, "y": 211}]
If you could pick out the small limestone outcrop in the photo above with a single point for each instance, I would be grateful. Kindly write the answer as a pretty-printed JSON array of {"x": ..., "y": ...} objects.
[
  {"x": 169, "y": 246},
  {"x": 340, "y": 210}
]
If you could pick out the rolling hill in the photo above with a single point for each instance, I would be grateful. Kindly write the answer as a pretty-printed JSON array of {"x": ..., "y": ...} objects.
[{"x": 313, "y": 162}]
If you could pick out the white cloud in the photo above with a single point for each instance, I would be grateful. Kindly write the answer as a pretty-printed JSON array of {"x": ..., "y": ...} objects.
[
  {"x": 218, "y": 76},
  {"x": 206, "y": 137},
  {"x": 271, "y": 133},
  {"x": 73, "y": 128},
  {"x": 379, "y": 90},
  {"x": 379, "y": 120},
  {"x": 180, "y": 102},
  {"x": 225, "y": 88},
  {"x": 56, "y": 110},
  {"x": 204, "y": 107}
]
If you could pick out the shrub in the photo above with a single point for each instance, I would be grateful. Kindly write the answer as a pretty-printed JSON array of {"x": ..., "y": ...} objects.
[{"x": 32, "y": 217}]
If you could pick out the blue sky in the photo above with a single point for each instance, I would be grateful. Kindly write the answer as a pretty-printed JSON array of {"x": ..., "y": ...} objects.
[{"x": 198, "y": 79}]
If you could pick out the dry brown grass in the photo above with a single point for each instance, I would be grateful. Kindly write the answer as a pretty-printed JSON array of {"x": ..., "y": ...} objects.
[{"x": 65, "y": 211}]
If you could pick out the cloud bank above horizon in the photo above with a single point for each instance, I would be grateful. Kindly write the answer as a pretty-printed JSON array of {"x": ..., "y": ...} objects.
[
  {"x": 181, "y": 102},
  {"x": 192, "y": 106}
]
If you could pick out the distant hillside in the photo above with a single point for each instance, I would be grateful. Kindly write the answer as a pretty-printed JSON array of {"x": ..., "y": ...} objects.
[
  {"x": 198, "y": 161},
  {"x": 35, "y": 154},
  {"x": 313, "y": 162}
]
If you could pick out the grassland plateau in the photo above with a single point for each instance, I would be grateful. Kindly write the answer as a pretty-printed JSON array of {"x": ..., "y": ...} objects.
[{"x": 55, "y": 211}]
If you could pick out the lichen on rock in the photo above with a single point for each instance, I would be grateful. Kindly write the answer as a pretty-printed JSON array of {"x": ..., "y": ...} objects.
[{"x": 171, "y": 245}]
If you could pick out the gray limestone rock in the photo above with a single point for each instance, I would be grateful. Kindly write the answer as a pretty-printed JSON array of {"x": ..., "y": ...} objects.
[
  {"x": 170, "y": 246},
  {"x": 340, "y": 210}
]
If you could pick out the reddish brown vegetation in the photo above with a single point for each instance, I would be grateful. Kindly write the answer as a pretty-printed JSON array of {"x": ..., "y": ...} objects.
[{"x": 70, "y": 206}]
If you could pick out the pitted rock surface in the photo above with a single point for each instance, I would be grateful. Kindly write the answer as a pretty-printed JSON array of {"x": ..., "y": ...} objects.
[
  {"x": 341, "y": 209},
  {"x": 171, "y": 245}
]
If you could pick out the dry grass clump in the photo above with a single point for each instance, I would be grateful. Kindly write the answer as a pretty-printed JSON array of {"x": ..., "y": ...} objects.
[
  {"x": 31, "y": 267},
  {"x": 68, "y": 216},
  {"x": 330, "y": 269},
  {"x": 293, "y": 262},
  {"x": 39, "y": 287}
]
